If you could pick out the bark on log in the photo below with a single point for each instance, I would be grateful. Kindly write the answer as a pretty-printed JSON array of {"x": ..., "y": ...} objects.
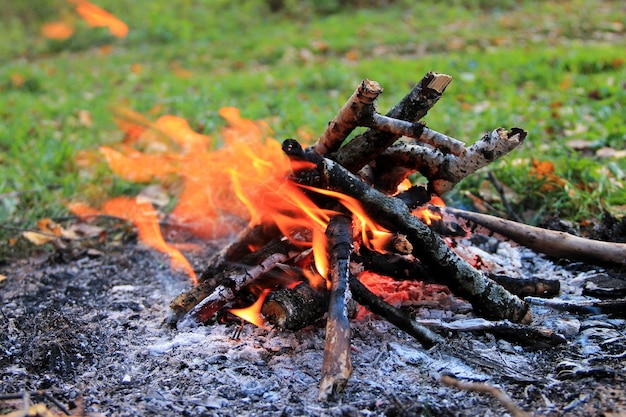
[
  {"x": 393, "y": 315},
  {"x": 487, "y": 297},
  {"x": 366, "y": 147},
  {"x": 550, "y": 242},
  {"x": 359, "y": 106},
  {"x": 442, "y": 171},
  {"x": 295, "y": 308},
  {"x": 337, "y": 364},
  {"x": 206, "y": 298}
]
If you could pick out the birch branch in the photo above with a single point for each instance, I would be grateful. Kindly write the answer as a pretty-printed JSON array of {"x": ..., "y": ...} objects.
[
  {"x": 442, "y": 171},
  {"x": 366, "y": 147},
  {"x": 359, "y": 107}
]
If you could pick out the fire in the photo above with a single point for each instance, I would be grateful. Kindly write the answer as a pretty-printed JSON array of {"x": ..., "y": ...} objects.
[
  {"x": 246, "y": 180},
  {"x": 145, "y": 219},
  {"x": 374, "y": 236},
  {"x": 253, "y": 314},
  {"x": 428, "y": 216}
]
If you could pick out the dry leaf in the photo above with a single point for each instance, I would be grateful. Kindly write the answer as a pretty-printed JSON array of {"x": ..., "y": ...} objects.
[
  {"x": 607, "y": 152},
  {"x": 3, "y": 278},
  {"x": 97, "y": 17},
  {"x": 38, "y": 238},
  {"x": 17, "y": 80},
  {"x": 84, "y": 118}
]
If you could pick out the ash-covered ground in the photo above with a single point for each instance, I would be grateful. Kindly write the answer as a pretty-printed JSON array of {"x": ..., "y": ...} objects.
[{"x": 86, "y": 327}]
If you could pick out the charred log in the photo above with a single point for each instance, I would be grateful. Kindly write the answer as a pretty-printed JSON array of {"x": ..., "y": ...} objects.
[
  {"x": 295, "y": 308},
  {"x": 521, "y": 334}
]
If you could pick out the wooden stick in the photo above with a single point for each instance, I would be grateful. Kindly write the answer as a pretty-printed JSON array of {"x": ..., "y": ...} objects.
[
  {"x": 419, "y": 132},
  {"x": 403, "y": 268},
  {"x": 487, "y": 297},
  {"x": 395, "y": 316},
  {"x": 366, "y": 147},
  {"x": 359, "y": 106},
  {"x": 498, "y": 394},
  {"x": 442, "y": 171},
  {"x": 522, "y": 334},
  {"x": 550, "y": 242},
  {"x": 613, "y": 307},
  {"x": 337, "y": 364}
]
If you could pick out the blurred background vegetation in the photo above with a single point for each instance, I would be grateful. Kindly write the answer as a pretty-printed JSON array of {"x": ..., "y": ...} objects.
[{"x": 556, "y": 69}]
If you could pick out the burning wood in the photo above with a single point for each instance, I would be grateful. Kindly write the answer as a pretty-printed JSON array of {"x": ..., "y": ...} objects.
[{"x": 332, "y": 212}]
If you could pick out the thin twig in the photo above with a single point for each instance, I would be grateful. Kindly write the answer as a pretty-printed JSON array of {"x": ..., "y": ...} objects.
[{"x": 498, "y": 394}]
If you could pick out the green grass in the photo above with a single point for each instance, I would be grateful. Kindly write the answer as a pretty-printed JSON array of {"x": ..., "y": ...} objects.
[{"x": 556, "y": 69}]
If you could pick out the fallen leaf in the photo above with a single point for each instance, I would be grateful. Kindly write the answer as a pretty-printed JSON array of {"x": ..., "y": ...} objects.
[
  {"x": 136, "y": 68},
  {"x": 57, "y": 30},
  {"x": 98, "y": 17},
  {"x": 81, "y": 231},
  {"x": 17, "y": 80},
  {"x": 607, "y": 152},
  {"x": 84, "y": 118},
  {"x": 3, "y": 278},
  {"x": 38, "y": 238},
  {"x": 48, "y": 226}
]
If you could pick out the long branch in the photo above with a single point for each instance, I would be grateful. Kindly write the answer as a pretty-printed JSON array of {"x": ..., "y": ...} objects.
[
  {"x": 337, "y": 364},
  {"x": 550, "y": 242}
]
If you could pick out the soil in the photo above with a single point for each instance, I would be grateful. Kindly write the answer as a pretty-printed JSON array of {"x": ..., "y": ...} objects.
[{"x": 86, "y": 327}]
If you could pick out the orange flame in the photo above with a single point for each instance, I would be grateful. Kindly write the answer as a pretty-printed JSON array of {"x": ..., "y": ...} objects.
[
  {"x": 96, "y": 17},
  {"x": 374, "y": 235},
  {"x": 428, "y": 216},
  {"x": 143, "y": 216},
  {"x": 253, "y": 314}
]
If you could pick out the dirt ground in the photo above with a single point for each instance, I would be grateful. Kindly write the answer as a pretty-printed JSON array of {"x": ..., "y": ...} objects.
[{"x": 86, "y": 327}]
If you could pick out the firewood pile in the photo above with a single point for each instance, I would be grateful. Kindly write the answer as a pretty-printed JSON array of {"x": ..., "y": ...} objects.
[{"x": 374, "y": 222}]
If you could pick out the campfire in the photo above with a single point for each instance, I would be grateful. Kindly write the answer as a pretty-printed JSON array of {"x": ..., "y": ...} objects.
[{"x": 331, "y": 225}]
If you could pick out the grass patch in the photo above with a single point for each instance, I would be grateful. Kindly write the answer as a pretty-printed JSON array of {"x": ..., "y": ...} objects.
[{"x": 554, "y": 69}]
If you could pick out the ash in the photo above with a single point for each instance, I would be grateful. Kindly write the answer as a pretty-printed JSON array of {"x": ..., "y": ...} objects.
[{"x": 88, "y": 330}]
